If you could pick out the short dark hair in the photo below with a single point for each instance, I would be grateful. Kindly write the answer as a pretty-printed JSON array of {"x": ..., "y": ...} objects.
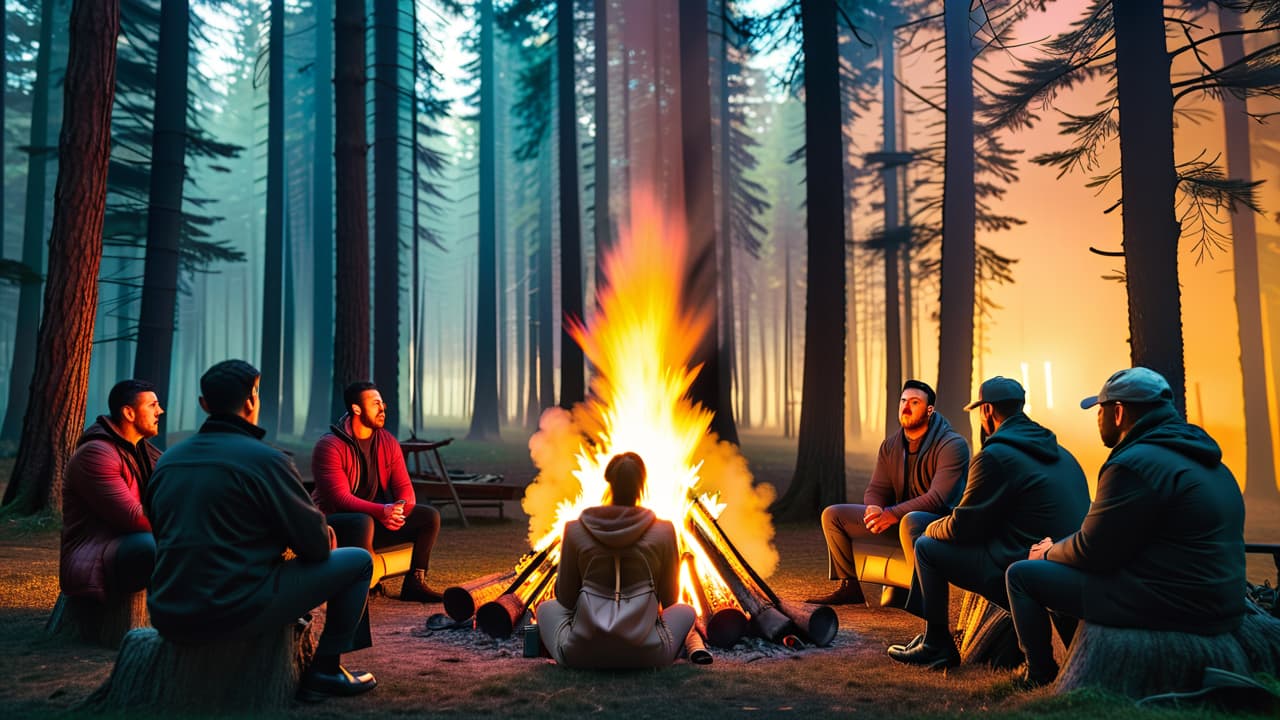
[
  {"x": 1135, "y": 411},
  {"x": 625, "y": 474},
  {"x": 929, "y": 394},
  {"x": 226, "y": 386},
  {"x": 1007, "y": 408},
  {"x": 351, "y": 395},
  {"x": 124, "y": 394}
]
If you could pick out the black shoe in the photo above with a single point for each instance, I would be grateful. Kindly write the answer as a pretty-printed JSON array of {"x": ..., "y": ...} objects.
[
  {"x": 915, "y": 642},
  {"x": 415, "y": 589},
  {"x": 1025, "y": 679},
  {"x": 926, "y": 655},
  {"x": 317, "y": 686},
  {"x": 849, "y": 593}
]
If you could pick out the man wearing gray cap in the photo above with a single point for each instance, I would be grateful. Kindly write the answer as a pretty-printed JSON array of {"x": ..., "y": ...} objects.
[
  {"x": 1162, "y": 547},
  {"x": 1022, "y": 486}
]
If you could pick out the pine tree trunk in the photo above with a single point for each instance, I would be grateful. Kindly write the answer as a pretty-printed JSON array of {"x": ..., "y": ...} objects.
[
  {"x": 819, "y": 478},
  {"x": 572, "y": 363},
  {"x": 28, "y": 320},
  {"x": 484, "y": 418},
  {"x": 1260, "y": 470},
  {"x": 386, "y": 206},
  {"x": 603, "y": 224},
  {"x": 351, "y": 317},
  {"x": 319, "y": 406},
  {"x": 1148, "y": 183},
  {"x": 545, "y": 307},
  {"x": 273, "y": 263},
  {"x": 64, "y": 343},
  {"x": 955, "y": 326},
  {"x": 889, "y": 179},
  {"x": 154, "y": 358},
  {"x": 727, "y": 350}
]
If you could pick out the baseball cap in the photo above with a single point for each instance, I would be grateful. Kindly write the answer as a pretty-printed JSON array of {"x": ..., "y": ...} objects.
[
  {"x": 998, "y": 389},
  {"x": 1136, "y": 384}
]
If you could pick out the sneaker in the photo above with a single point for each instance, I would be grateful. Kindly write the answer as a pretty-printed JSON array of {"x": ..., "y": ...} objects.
[
  {"x": 317, "y": 686},
  {"x": 849, "y": 593},
  {"x": 927, "y": 656}
]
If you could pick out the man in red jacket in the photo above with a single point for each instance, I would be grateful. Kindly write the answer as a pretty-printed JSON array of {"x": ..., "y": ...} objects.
[
  {"x": 363, "y": 486},
  {"x": 107, "y": 547}
]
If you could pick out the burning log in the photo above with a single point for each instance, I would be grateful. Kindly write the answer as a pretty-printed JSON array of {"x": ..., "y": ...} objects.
[
  {"x": 817, "y": 622},
  {"x": 725, "y": 623},
  {"x": 769, "y": 622},
  {"x": 500, "y": 617},
  {"x": 461, "y": 601}
]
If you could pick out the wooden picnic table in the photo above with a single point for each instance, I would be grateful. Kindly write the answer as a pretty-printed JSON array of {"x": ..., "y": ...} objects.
[{"x": 433, "y": 483}]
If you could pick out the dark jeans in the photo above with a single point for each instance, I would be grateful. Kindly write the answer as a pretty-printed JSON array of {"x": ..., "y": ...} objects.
[
  {"x": 1041, "y": 592},
  {"x": 129, "y": 562},
  {"x": 942, "y": 564},
  {"x": 342, "y": 580},
  {"x": 421, "y": 527}
]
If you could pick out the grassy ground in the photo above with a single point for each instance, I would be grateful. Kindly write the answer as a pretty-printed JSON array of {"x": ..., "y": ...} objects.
[{"x": 462, "y": 673}]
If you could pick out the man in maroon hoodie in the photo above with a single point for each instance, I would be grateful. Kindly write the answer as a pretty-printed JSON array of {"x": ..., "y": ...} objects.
[
  {"x": 107, "y": 547},
  {"x": 363, "y": 486}
]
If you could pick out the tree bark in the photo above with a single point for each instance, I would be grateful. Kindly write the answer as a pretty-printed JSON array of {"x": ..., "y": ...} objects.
[
  {"x": 959, "y": 253},
  {"x": 351, "y": 317},
  {"x": 28, "y": 320},
  {"x": 319, "y": 405},
  {"x": 484, "y": 415},
  {"x": 889, "y": 178},
  {"x": 603, "y": 224},
  {"x": 154, "y": 358},
  {"x": 64, "y": 343},
  {"x": 545, "y": 307},
  {"x": 386, "y": 206},
  {"x": 819, "y": 478},
  {"x": 572, "y": 363},
  {"x": 1260, "y": 470},
  {"x": 1148, "y": 183},
  {"x": 726, "y": 351},
  {"x": 273, "y": 262}
]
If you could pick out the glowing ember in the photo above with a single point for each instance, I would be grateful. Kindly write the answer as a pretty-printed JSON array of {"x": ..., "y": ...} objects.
[{"x": 640, "y": 344}]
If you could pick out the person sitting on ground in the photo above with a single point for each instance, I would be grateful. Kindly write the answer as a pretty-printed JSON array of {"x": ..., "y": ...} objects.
[
  {"x": 107, "y": 547},
  {"x": 1022, "y": 486},
  {"x": 920, "y": 467},
  {"x": 1162, "y": 547},
  {"x": 611, "y": 551},
  {"x": 225, "y": 506},
  {"x": 363, "y": 487}
]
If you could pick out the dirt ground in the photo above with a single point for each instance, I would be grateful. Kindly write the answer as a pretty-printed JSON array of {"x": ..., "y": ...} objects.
[{"x": 464, "y": 673}]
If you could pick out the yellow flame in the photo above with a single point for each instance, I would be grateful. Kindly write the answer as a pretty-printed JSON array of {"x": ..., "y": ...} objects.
[{"x": 640, "y": 344}]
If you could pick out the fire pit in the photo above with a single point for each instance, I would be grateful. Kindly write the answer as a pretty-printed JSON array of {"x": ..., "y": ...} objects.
[{"x": 640, "y": 343}]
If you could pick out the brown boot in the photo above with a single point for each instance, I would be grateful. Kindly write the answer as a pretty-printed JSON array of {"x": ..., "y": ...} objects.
[
  {"x": 414, "y": 588},
  {"x": 849, "y": 593}
]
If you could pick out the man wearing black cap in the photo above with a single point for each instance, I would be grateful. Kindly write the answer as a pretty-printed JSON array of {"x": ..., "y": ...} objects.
[
  {"x": 1162, "y": 546},
  {"x": 1021, "y": 486},
  {"x": 920, "y": 467},
  {"x": 224, "y": 507}
]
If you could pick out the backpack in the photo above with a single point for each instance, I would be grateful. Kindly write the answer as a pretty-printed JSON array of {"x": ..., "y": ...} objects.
[{"x": 623, "y": 615}]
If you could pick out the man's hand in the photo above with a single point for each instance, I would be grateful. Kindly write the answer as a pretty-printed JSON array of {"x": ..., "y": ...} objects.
[
  {"x": 877, "y": 519},
  {"x": 393, "y": 516},
  {"x": 1039, "y": 549}
]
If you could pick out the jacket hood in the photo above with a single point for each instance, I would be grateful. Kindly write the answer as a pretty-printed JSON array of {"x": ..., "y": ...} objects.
[
  {"x": 342, "y": 429},
  {"x": 102, "y": 430},
  {"x": 617, "y": 526},
  {"x": 938, "y": 426},
  {"x": 1166, "y": 428},
  {"x": 1027, "y": 436}
]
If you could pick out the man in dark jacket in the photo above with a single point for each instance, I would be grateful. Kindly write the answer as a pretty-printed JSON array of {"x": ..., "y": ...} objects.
[
  {"x": 1162, "y": 547},
  {"x": 363, "y": 487},
  {"x": 1022, "y": 486},
  {"x": 107, "y": 547},
  {"x": 920, "y": 467},
  {"x": 225, "y": 506}
]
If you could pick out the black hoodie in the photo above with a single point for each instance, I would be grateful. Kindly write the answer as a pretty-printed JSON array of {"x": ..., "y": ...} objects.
[
  {"x": 1022, "y": 486},
  {"x": 1166, "y": 529}
]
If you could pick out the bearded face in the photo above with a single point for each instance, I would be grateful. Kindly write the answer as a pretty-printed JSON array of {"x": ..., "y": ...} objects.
[
  {"x": 914, "y": 409},
  {"x": 1109, "y": 424}
]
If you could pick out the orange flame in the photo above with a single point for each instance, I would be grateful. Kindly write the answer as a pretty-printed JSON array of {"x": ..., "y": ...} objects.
[{"x": 640, "y": 344}]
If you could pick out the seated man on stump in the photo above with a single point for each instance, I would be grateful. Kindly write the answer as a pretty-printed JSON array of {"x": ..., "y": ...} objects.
[
  {"x": 107, "y": 546},
  {"x": 920, "y": 467},
  {"x": 225, "y": 505},
  {"x": 1162, "y": 547},
  {"x": 363, "y": 486},
  {"x": 1022, "y": 486}
]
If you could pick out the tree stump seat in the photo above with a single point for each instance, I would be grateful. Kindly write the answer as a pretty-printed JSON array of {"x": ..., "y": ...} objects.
[
  {"x": 1139, "y": 663},
  {"x": 240, "y": 675},
  {"x": 985, "y": 633},
  {"x": 98, "y": 622}
]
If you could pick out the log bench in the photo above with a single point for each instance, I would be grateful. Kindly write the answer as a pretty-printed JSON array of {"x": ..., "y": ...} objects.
[
  {"x": 242, "y": 675},
  {"x": 98, "y": 622}
]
